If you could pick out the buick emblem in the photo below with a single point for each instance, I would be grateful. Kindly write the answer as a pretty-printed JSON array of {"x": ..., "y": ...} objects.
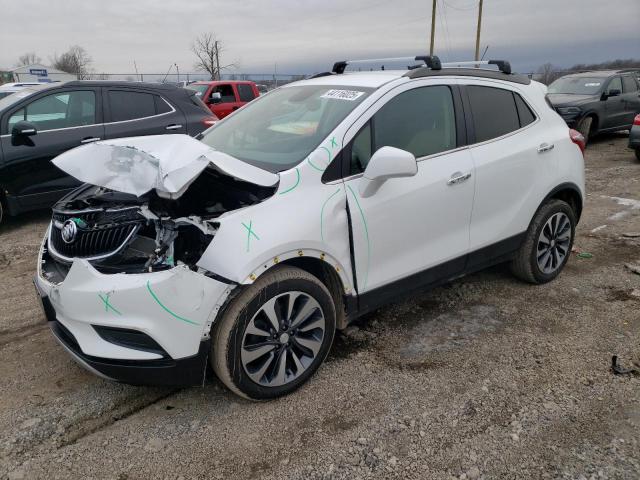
[{"x": 69, "y": 231}]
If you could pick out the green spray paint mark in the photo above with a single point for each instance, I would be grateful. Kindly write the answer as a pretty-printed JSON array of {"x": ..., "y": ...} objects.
[
  {"x": 297, "y": 182},
  {"x": 249, "y": 233},
  {"x": 107, "y": 303},
  {"x": 328, "y": 153},
  {"x": 79, "y": 222},
  {"x": 366, "y": 232},
  {"x": 314, "y": 166},
  {"x": 322, "y": 212},
  {"x": 334, "y": 144},
  {"x": 165, "y": 308}
]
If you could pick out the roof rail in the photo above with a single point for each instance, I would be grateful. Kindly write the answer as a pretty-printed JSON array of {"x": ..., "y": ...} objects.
[
  {"x": 503, "y": 65},
  {"x": 432, "y": 62}
]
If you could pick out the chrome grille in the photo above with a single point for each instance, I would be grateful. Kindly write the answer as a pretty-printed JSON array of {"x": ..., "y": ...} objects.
[{"x": 102, "y": 234}]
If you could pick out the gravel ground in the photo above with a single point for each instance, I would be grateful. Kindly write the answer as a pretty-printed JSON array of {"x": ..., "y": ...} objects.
[{"x": 483, "y": 378}]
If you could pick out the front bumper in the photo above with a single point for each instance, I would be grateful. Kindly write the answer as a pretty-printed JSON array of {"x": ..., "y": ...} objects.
[{"x": 173, "y": 310}]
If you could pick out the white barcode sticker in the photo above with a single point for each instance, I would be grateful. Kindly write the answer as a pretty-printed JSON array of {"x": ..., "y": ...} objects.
[
  {"x": 592, "y": 84},
  {"x": 350, "y": 95}
]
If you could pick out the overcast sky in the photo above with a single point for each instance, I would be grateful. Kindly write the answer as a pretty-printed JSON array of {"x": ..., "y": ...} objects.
[{"x": 303, "y": 36}]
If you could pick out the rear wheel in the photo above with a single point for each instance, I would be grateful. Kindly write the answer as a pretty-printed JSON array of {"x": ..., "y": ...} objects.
[
  {"x": 584, "y": 127},
  {"x": 547, "y": 244},
  {"x": 274, "y": 335},
  {"x": 638, "y": 154},
  {"x": 1, "y": 211}
]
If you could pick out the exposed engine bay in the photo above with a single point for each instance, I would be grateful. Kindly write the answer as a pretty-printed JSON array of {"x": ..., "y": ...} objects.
[{"x": 123, "y": 233}]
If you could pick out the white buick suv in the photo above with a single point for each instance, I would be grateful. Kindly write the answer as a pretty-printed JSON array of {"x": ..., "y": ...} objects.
[{"x": 247, "y": 248}]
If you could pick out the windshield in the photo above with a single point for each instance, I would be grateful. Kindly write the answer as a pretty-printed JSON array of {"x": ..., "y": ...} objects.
[
  {"x": 279, "y": 130},
  {"x": 199, "y": 89},
  {"x": 577, "y": 85}
]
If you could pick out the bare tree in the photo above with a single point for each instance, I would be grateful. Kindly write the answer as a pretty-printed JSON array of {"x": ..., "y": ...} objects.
[
  {"x": 76, "y": 61},
  {"x": 28, "y": 58},
  {"x": 209, "y": 50},
  {"x": 547, "y": 73}
]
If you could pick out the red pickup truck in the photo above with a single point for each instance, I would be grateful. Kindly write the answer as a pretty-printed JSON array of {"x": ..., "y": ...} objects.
[{"x": 222, "y": 97}]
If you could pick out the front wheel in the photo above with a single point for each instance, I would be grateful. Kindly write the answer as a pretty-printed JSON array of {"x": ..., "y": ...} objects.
[
  {"x": 547, "y": 244},
  {"x": 274, "y": 335}
]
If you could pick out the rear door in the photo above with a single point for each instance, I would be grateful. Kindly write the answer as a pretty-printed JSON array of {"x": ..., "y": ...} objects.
[
  {"x": 131, "y": 113},
  {"x": 511, "y": 161},
  {"x": 229, "y": 101},
  {"x": 64, "y": 119},
  {"x": 630, "y": 98}
]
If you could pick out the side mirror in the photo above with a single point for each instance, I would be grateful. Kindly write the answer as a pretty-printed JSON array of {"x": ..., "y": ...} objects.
[
  {"x": 386, "y": 163},
  {"x": 24, "y": 129},
  {"x": 216, "y": 97},
  {"x": 614, "y": 92}
]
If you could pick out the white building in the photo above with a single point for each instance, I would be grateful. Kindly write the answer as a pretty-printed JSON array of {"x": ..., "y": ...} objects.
[{"x": 35, "y": 73}]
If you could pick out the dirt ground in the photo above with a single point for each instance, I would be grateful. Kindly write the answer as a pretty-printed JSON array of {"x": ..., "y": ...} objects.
[{"x": 486, "y": 377}]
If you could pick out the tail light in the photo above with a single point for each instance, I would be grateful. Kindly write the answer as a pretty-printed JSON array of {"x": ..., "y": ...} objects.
[
  {"x": 209, "y": 121},
  {"x": 636, "y": 121},
  {"x": 578, "y": 139}
]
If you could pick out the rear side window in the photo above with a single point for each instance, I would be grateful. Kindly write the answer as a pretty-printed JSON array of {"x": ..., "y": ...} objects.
[
  {"x": 629, "y": 84},
  {"x": 525, "y": 114},
  {"x": 161, "y": 105},
  {"x": 245, "y": 92},
  {"x": 128, "y": 105},
  {"x": 494, "y": 112}
]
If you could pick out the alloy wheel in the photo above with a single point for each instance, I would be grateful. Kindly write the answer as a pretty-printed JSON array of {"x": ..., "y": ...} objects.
[
  {"x": 553, "y": 243},
  {"x": 282, "y": 339}
]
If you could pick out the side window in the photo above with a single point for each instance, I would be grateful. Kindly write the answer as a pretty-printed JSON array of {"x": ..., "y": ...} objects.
[
  {"x": 161, "y": 105},
  {"x": 494, "y": 112},
  {"x": 629, "y": 84},
  {"x": 245, "y": 92},
  {"x": 129, "y": 105},
  {"x": 361, "y": 149},
  {"x": 615, "y": 84},
  {"x": 421, "y": 121},
  {"x": 524, "y": 112},
  {"x": 61, "y": 110},
  {"x": 226, "y": 91}
]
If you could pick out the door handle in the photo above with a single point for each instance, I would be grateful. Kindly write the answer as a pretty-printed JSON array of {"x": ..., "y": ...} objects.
[
  {"x": 458, "y": 177},
  {"x": 173, "y": 126},
  {"x": 545, "y": 147},
  {"x": 89, "y": 139}
]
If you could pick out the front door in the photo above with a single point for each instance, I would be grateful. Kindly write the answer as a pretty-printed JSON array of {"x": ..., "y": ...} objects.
[
  {"x": 411, "y": 225},
  {"x": 630, "y": 98},
  {"x": 614, "y": 106},
  {"x": 64, "y": 119},
  {"x": 228, "y": 102}
]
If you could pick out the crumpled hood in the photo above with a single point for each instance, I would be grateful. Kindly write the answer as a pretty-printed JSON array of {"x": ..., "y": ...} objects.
[
  {"x": 569, "y": 100},
  {"x": 166, "y": 163}
]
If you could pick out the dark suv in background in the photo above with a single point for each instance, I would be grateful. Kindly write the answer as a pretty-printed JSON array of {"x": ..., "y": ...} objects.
[
  {"x": 39, "y": 123},
  {"x": 598, "y": 101}
]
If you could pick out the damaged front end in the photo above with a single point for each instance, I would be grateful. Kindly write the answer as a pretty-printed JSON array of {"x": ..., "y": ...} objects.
[
  {"x": 117, "y": 273},
  {"x": 122, "y": 233}
]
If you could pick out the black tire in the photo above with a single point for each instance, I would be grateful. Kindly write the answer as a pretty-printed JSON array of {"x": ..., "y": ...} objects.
[
  {"x": 584, "y": 127},
  {"x": 229, "y": 332},
  {"x": 525, "y": 264},
  {"x": 638, "y": 154},
  {"x": 1, "y": 211}
]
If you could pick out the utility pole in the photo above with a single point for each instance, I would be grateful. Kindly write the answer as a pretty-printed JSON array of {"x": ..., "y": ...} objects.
[
  {"x": 478, "y": 32},
  {"x": 217, "y": 62},
  {"x": 433, "y": 27}
]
